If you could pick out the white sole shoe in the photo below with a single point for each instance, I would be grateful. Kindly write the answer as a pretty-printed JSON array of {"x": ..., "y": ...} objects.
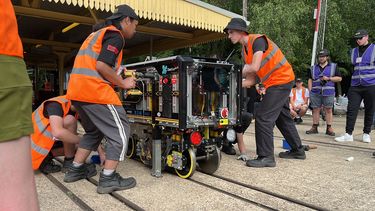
[{"x": 344, "y": 138}]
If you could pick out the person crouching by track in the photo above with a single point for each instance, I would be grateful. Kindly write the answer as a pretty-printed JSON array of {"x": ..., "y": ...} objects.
[
  {"x": 91, "y": 90},
  {"x": 322, "y": 79},
  {"x": 55, "y": 128},
  {"x": 299, "y": 97},
  {"x": 265, "y": 61},
  {"x": 246, "y": 118}
]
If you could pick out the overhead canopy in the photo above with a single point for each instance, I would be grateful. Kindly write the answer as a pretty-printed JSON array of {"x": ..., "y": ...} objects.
[{"x": 164, "y": 24}]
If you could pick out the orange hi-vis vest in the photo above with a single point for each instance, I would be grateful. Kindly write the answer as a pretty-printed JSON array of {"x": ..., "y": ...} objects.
[
  {"x": 86, "y": 84},
  {"x": 294, "y": 92},
  {"x": 274, "y": 68},
  {"x": 10, "y": 42},
  {"x": 42, "y": 139}
]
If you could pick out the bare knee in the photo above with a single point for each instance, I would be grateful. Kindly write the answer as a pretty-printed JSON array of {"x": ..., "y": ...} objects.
[
  {"x": 70, "y": 122},
  {"x": 303, "y": 110},
  {"x": 328, "y": 110}
]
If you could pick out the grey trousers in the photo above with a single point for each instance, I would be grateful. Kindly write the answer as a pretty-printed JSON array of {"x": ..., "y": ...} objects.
[
  {"x": 274, "y": 109},
  {"x": 101, "y": 120}
]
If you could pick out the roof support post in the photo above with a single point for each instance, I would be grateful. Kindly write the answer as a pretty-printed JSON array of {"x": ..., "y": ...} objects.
[{"x": 60, "y": 65}]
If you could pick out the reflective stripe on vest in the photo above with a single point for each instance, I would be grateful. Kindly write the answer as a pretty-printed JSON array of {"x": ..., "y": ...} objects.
[
  {"x": 39, "y": 149},
  {"x": 364, "y": 76},
  {"x": 364, "y": 67},
  {"x": 280, "y": 64},
  {"x": 274, "y": 68},
  {"x": 88, "y": 50},
  {"x": 86, "y": 84},
  {"x": 329, "y": 88},
  {"x": 38, "y": 121},
  {"x": 42, "y": 139},
  {"x": 269, "y": 56}
]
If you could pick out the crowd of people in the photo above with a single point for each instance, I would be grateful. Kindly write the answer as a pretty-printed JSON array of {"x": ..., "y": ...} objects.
[{"x": 51, "y": 130}]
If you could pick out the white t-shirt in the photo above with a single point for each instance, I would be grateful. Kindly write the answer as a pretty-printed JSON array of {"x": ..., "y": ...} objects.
[{"x": 299, "y": 99}]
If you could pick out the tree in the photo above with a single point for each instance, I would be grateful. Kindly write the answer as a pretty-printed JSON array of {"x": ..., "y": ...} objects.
[{"x": 290, "y": 25}]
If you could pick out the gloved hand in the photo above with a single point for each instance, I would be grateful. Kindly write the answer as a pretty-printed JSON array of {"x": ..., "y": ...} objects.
[{"x": 243, "y": 157}]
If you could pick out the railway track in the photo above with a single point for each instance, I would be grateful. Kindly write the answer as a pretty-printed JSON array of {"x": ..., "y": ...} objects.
[
  {"x": 271, "y": 194},
  {"x": 332, "y": 144},
  {"x": 78, "y": 201}
]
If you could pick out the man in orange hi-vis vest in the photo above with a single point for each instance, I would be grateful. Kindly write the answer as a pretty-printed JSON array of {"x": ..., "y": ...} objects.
[
  {"x": 299, "y": 99},
  {"x": 17, "y": 185},
  {"x": 99, "y": 107},
  {"x": 265, "y": 62},
  {"x": 55, "y": 134},
  {"x": 55, "y": 126}
]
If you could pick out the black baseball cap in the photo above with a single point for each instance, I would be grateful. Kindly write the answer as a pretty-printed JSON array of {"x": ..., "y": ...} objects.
[
  {"x": 323, "y": 52},
  {"x": 236, "y": 24},
  {"x": 123, "y": 10},
  {"x": 298, "y": 80},
  {"x": 360, "y": 33}
]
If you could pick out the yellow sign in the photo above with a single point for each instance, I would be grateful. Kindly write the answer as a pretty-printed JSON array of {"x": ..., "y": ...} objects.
[{"x": 224, "y": 122}]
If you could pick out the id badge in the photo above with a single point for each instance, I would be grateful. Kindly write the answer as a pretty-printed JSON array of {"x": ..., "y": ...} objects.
[{"x": 358, "y": 60}]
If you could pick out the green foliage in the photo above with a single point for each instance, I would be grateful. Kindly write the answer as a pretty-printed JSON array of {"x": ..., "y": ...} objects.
[{"x": 290, "y": 25}]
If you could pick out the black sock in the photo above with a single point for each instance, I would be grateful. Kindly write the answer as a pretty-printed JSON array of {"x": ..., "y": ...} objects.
[{"x": 69, "y": 159}]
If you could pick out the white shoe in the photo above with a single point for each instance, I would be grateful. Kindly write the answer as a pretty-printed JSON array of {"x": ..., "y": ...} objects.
[
  {"x": 366, "y": 138},
  {"x": 344, "y": 138}
]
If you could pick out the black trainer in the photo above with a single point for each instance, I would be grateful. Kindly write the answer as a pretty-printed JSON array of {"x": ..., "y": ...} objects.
[
  {"x": 228, "y": 149},
  {"x": 66, "y": 164},
  {"x": 48, "y": 166},
  {"x": 294, "y": 154},
  {"x": 114, "y": 182},
  {"x": 261, "y": 162},
  {"x": 82, "y": 172}
]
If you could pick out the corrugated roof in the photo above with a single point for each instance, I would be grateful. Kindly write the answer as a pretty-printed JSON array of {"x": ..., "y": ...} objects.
[{"x": 191, "y": 13}]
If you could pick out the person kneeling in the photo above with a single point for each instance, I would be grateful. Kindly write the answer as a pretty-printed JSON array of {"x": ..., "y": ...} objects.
[{"x": 55, "y": 134}]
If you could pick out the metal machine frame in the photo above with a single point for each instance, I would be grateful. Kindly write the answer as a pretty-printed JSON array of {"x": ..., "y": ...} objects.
[{"x": 165, "y": 83}]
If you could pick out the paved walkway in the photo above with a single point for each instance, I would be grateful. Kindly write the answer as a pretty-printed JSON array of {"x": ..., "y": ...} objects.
[{"x": 324, "y": 180}]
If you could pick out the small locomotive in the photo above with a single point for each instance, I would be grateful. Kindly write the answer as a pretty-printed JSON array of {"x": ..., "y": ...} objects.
[{"x": 180, "y": 112}]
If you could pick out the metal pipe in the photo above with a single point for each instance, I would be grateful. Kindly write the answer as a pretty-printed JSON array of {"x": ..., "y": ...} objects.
[
  {"x": 324, "y": 23},
  {"x": 203, "y": 157},
  {"x": 315, "y": 34}
]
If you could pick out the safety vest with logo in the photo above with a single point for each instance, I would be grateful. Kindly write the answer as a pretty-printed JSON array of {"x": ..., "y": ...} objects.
[
  {"x": 364, "y": 67},
  {"x": 274, "y": 68},
  {"x": 86, "y": 84},
  {"x": 327, "y": 89},
  {"x": 294, "y": 92},
  {"x": 42, "y": 139},
  {"x": 10, "y": 42}
]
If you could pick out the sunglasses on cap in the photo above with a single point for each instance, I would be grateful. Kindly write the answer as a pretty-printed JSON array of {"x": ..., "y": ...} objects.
[{"x": 360, "y": 38}]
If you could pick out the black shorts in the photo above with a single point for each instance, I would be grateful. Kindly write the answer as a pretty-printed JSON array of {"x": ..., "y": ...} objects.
[
  {"x": 57, "y": 145},
  {"x": 246, "y": 119}
]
